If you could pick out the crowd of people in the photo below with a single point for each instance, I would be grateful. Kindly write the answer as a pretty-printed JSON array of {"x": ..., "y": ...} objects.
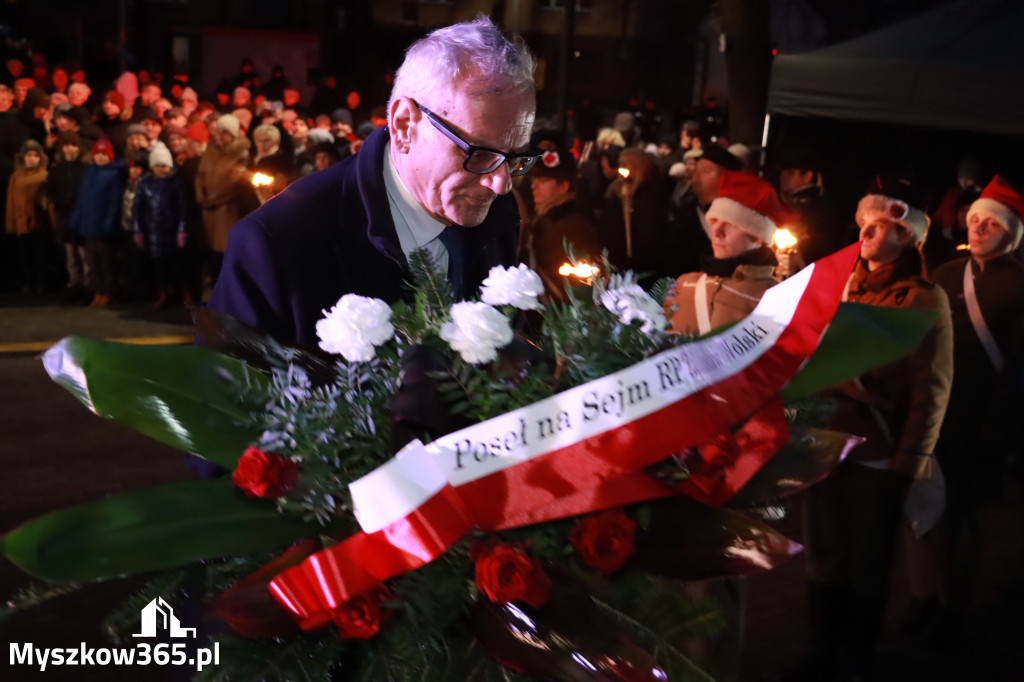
[
  {"x": 153, "y": 189},
  {"x": 128, "y": 194}
]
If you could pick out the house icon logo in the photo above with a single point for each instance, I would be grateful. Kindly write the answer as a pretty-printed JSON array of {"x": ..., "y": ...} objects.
[{"x": 158, "y": 614}]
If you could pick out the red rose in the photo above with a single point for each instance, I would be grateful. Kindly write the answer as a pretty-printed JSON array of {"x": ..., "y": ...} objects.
[
  {"x": 505, "y": 574},
  {"x": 360, "y": 618},
  {"x": 265, "y": 474},
  {"x": 604, "y": 541}
]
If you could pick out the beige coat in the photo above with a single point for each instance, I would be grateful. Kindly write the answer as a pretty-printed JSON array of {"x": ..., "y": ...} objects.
[
  {"x": 26, "y": 210},
  {"x": 223, "y": 190},
  {"x": 730, "y": 299}
]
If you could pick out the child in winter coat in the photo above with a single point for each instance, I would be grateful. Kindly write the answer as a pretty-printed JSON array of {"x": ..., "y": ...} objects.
[
  {"x": 159, "y": 223},
  {"x": 26, "y": 216},
  {"x": 96, "y": 217},
  {"x": 61, "y": 190}
]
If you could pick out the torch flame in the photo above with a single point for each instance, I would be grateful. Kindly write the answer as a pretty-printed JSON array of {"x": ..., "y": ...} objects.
[
  {"x": 582, "y": 270},
  {"x": 624, "y": 172},
  {"x": 963, "y": 247},
  {"x": 784, "y": 239},
  {"x": 261, "y": 180}
]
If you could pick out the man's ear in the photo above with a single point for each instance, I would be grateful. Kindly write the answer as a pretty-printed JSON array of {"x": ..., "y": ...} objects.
[{"x": 401, "y": 123}]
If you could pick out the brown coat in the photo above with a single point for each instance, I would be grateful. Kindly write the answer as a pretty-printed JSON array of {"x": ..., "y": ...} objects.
[
  {"x": 25, "y": 203},
  {"x": 223, "y": 190},
  {"x": 730, "y": 299},
  {"x": 911, "y": 394}
]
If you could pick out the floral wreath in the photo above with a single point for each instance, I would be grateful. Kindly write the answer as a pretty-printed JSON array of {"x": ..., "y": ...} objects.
[{"x": 554, "y": 562}]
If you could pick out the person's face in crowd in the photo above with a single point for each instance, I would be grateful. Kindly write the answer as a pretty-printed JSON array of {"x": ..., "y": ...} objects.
[
  {"x": 188, "y": 105},
  {"x": 685, "y": 141},
  {"x": 300, "y": 131},
  {"x": 881, "y": 239},
  {"x": 6, "y": 99},
  {"x": 134, "y": 173},
  {"x": 288, "y": 117},
  {"x": 695, "y": 143},
  {"x": 291, "y": 97},
  {"x": 32, "y": 159},
  {"x": 161, "y": 106},
  {"x": 547, "y": 191},
  {"x": 78, "y": 94},
  {"x": 20, "y": 91},
  {"x": 265, "y": 144},
  {"x": 323, "y": 160},
  {"x": 664, "y": 150},
  {"x": 241, "y": 98},
  {"x": 180, "y": 120},
  {"x": 323, "y": 122},
  {"x": 150, "y": 94},
  {"x": 59, "y": 79},
  {"x": 70, "y": 152},
  {"x": 223, "y": 137},
  {"x": 792, "y": 179},
  {"x": 341, "y": 129},
  {"x": 435, "y": 164},
  {"x": 65, "y": 123},
  {"x": 111, "y": 109},
  {"x": 176, "y": 90},
  {"x": 689, "y": 166},
  {"x": 143, "y": 77},
  {"x": 161, "y": 171},
  {"x": 176, "y": 143},
  {"x": 137, "y": 141},
  {"x": 353, "y": 100},
  {"x": 15, "y": 67},
  {"x": 705, "y": 181},
  {"x": 100, "y": 159},
  {"x": 152, "y": 127},
  {"x": 729, "y": 240},
  {"x": 987, "y": 237},
  {"x": 222, "y": 99}
]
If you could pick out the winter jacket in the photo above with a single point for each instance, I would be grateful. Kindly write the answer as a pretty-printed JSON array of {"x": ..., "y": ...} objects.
[
  {"x": 910, "y": 395},
  {"x": 223, "y": 190},
  {"x": 729, "y": 298},
  {"x": 159, "y": 213},
  {"x": 331, "y": 233},
  {"x": 983, "y": 420},
  {"x": 97, "y": 211},
  {"x": 25, "y": 200},
  {"x": 61, "y": 189}
]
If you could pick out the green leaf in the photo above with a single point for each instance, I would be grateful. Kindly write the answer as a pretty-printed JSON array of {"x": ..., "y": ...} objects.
[
  {"x": 184, "y": 396},
  {"x": 149, "y": 529},
  {"x": 860, "y": 338}
]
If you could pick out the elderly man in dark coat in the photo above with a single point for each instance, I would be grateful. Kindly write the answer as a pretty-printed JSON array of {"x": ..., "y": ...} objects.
[{"x": 437, "y": 177}]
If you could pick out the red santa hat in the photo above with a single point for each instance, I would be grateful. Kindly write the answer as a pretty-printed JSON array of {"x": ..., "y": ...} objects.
[
  {"x": 749, "y": 203},
  {"x": 1000, "y": 201}
]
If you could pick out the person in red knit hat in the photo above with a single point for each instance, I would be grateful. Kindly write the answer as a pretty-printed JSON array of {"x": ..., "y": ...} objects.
[
  {"x": 742, "y": 221},
  {"x": 986, "y": 294}
]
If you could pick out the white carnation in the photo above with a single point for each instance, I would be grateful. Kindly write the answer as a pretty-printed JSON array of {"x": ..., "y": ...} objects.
[
  {"x": 354, "y": 326},
  {"x": 632, "y": 303},
  {"x": 518, "y": 287},
  {"x": 476, "y": 331}
]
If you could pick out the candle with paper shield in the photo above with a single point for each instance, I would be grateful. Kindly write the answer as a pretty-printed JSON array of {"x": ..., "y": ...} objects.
[
  {"x": 784, "y": 243},
  {"x": 627, "y": 210}
]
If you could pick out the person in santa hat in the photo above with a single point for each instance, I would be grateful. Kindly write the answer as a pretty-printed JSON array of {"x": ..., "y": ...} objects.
[
  {"x": 853, "y": 518},
  {"x": 742, "y": 221},
  {"x": 986, "y": 294}
]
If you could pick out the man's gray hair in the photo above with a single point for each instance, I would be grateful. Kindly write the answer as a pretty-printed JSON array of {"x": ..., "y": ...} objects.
[{"x": 474, "y": 56}]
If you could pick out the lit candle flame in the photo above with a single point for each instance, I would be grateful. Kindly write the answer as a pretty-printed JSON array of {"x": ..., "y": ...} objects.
[
  {"x": 582, "y": 270},
  {"x": 624, "y": 172},
  {"x": 784, "y": 239},
  {"x": 963, "y": 247},
  {"x": 261, "y": 180}
]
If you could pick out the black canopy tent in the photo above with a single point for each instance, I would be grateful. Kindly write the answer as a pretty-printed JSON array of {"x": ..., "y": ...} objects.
[{"x": 959, "y": 66}]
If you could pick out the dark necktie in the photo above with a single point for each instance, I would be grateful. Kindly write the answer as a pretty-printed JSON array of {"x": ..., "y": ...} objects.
[{"x": 453, "y": 238}]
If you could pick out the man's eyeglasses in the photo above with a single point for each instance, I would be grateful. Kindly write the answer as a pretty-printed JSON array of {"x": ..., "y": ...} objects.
[{"x": 481, "y": 160}]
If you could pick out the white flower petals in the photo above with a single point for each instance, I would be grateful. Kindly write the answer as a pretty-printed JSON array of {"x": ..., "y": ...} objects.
[
  {"x": 518, "y": 287},
  {"x": 354, "y": 326},
  {"x": 476, "y": 331}
]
